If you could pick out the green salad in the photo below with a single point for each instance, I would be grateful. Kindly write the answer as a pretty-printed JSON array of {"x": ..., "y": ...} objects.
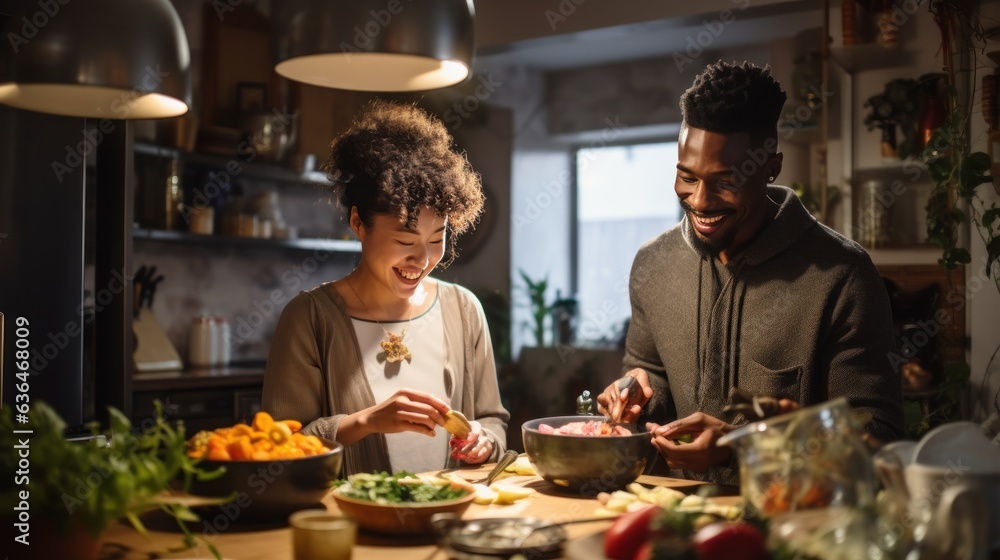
[{"x": 400, "y": 488}]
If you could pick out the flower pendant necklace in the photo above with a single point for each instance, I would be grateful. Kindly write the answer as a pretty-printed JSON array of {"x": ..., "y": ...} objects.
[{"x": 394, "y": 348}]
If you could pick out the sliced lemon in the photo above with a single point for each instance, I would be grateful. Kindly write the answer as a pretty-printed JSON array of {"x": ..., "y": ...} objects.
[
  {"x": 508, "y": 494},
  {"x": 521, "y": 466},
  {"x": 484, "y": 494},
  {"x": 457, "y": 424}
]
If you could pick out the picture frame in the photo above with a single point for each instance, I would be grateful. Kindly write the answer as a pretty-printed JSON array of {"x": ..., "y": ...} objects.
[{"x": 251, "y": 97}]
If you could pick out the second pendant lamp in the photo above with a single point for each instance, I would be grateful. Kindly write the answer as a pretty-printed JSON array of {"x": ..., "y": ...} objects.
[{"x": 366, "y": 45}]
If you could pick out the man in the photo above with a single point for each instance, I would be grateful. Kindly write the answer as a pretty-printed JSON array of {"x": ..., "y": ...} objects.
[{"x": 748, "y": 291}]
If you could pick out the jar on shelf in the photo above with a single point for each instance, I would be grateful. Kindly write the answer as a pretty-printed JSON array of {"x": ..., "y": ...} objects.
[
  {"x": 266, "y": 206},
  {"x": 223, "y": 341},
  {"x": 202, "y": 342}
]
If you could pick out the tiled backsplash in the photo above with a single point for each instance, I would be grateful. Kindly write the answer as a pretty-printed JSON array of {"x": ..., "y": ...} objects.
[{"x": 247, "y": 287}]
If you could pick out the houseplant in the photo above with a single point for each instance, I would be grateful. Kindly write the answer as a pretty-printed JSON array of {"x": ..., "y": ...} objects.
[
  {"x": 539, "y": 308},
  {"x": 895, "y": 106},
  {"x": 78, "y": 489},
  {"x": 958, "y": 173}
]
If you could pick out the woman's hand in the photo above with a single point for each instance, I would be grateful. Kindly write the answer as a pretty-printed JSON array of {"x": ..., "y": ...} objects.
[
  {"x": 702, "y": 452},
  {"x": 474, "y": 449},
  {"x": 405, "y": 411},
  {"x": 614, "y": 403}
]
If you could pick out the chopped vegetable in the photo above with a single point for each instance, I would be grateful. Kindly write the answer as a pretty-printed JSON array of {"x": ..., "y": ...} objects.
[
  {"x": 730, "y": 541},
  {"x": 399, "y": 488},
  {"x": 629, "y": 532},
  {"x": 266, "y": 439}
]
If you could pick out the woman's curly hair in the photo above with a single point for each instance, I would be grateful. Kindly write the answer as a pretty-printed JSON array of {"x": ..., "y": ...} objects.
[{"x": 395, "y": 158}]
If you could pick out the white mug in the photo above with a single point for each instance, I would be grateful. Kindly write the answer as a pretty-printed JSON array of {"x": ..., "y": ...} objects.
[{"x": 961, "y": 508}]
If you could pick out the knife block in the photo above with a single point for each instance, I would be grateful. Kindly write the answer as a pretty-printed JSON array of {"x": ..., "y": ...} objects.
[{"x": 153, "y": 350}]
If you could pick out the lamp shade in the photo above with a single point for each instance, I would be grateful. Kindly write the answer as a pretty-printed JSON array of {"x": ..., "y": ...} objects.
[
  {"x": 119, "y": 59},
  {"x": 375, "y": 45}
]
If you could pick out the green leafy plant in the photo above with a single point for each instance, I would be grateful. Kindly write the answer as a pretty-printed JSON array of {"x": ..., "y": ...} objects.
[
  {"x": 101, "y": 480},
  {"x": 539, "y": 309},
  {"x": 958, "y": 173},
  {"x": 896, "y": 105}
]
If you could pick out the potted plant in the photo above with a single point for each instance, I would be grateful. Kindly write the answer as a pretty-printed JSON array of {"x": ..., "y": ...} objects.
[
  {"x": 64, "y": 494},
  {"x": 896, "y": 105},
  {"x": 539, "y": 309},
  {"x": 959, "y": 176}
]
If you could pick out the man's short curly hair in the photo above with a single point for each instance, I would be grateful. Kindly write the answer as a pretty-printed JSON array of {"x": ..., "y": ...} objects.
[
  {"x": 395, "y": 158},
  {"x": 729, "y": 98}
]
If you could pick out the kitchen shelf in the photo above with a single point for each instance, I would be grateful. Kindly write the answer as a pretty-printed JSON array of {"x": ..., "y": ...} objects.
[
  {"x": 801, "y": 134},
  {"x": 252, "y": 169},
  {"x": 869, "y": 56},
  {"x": 304, "y": 244},
  {"x": 235, "y": 375}
]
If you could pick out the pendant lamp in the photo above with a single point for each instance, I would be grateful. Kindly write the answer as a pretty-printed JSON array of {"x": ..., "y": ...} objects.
[
  {"x": 375, "y": 45},
  {"x": 117, "y": 59}
]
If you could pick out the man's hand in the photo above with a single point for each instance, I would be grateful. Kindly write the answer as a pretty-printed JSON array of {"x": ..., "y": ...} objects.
[
  {"x": 614, "y": 403},
  {"x": 702, "y": 452}
]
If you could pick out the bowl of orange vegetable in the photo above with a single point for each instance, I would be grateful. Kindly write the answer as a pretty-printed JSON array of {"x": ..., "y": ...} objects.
[{"x": 269, "y": 467}]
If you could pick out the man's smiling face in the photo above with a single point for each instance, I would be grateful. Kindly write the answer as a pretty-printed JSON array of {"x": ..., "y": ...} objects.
[{"x": 727, "y": 210}]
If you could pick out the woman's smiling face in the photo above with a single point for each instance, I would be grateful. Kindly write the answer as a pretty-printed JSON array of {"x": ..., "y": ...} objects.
[
  {"x": 398, "y": 257},
  {"x": 726, "y": 207}
]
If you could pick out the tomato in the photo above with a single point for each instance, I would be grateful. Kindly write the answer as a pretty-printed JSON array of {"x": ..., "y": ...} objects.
[
  {"x": 730, "y": 541},
  {"x": 629, "y": 532},
  {"x": 645, "y": 551}
]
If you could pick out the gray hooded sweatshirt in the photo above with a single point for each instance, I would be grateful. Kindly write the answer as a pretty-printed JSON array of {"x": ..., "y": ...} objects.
[{"x": 801, "y": 313}]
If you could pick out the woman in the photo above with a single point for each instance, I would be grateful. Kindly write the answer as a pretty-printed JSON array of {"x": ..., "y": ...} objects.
[{"x": 385, "y": 352}]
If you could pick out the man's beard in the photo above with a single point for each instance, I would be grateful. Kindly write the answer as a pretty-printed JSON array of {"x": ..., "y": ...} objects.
[{"x": 704, "y": 246}]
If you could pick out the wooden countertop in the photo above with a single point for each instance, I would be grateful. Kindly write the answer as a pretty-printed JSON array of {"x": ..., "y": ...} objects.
[{"x": 275, "y": 543}]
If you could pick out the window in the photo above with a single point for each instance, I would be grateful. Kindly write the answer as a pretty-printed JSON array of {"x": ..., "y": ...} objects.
[{"x": 625, "y": 197}]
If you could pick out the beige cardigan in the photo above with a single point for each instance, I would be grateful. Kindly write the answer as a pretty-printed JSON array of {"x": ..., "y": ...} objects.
[{"x": 315, "y": 375}]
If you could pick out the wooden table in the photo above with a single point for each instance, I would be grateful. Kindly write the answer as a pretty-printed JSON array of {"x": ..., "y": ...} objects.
[{"x": 275, "y": 543}]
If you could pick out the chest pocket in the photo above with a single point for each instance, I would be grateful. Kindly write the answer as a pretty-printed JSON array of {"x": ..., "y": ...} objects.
[{"x": 761, "y": 380}]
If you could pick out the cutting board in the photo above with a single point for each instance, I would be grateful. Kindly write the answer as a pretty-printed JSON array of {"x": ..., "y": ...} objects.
[{"x": 153, "y": 350}]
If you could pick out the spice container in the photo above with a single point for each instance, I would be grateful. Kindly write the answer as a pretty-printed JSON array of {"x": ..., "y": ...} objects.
[
  {"x": 202, "y": 342},
  {"x": 223, "y": 341}
]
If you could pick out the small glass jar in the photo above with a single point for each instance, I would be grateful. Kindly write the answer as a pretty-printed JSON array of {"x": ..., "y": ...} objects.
[
  {"x": 202, "y": 342},
  {"x": 223, "y": 341}
]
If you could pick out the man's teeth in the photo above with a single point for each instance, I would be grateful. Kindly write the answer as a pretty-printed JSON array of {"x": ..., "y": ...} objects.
[
  {"x": 706, "y": 221},
  {"x": 409, "y": 275}
]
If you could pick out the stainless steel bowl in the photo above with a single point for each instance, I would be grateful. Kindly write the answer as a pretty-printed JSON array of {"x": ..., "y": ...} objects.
[
  {"x": 586, "y": 464},
  {"x": 272, "y": 135}
]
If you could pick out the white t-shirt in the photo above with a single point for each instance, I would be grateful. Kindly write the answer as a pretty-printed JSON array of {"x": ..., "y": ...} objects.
[{"x": 409, "y": 451}]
